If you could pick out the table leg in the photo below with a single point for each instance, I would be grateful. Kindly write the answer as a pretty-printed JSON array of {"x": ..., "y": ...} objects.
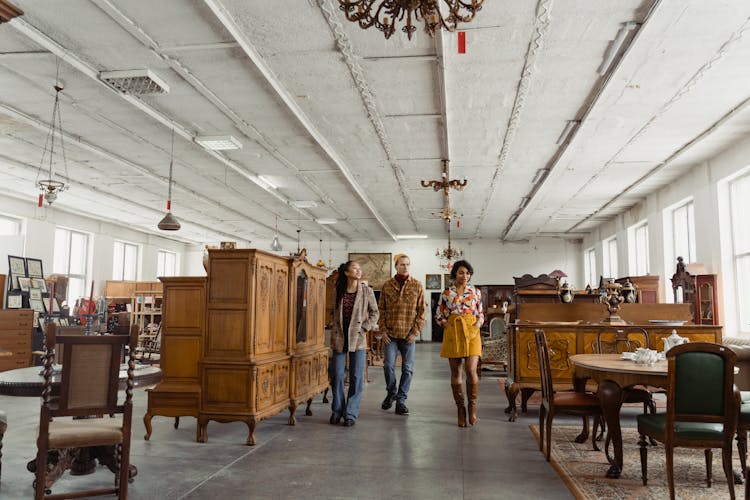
[{"x": 610, "y": 398}]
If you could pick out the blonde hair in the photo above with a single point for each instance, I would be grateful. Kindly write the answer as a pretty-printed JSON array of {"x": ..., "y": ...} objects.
[{"x": 399, "y": 256}]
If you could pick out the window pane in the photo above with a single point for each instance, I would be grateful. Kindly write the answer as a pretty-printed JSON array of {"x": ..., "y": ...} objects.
[
  {"x": 641, "y": 250},
  {"x": 683, "y": 223},
  {"x": 170, "y": 268},
  {"x": 743, "y": 289},
  {"x": 740, "y": 198},
  {"x": 78, "y": 253},
  {"x": 117, "y": 260},
  {"x": 131, "y": 261},
  {"x": 9, "y": 227},
  {"x": 160, "y": 257},
  {"x": 75, "y": 290},
  {"x": 60, "y": 261}
]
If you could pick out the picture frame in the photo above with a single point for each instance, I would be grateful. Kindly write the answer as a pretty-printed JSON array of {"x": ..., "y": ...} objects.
[
  {"x": 34, "y": 268},
  {"x": 39, "y": 283},
  {"x": 35, "y": 293},
  {"x": 15, "y": 301},
  {"x": 37, "y": 305},
  {"x": 24, "y": 283},
  {"x": 433, "y": 282},
  {"x": 447, "y": 281},
  {"x": 14, "y": 282},
  {"x": 16, "y": 265},
  {"x": 376, "y": 267}
]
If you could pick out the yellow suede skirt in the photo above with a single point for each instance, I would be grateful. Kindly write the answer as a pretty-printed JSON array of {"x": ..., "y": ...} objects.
[{"x": 460, "y": 337}]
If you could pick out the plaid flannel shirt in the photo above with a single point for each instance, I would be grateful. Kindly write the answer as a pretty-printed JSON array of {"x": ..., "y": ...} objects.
[{"x": 402, "y": 309}]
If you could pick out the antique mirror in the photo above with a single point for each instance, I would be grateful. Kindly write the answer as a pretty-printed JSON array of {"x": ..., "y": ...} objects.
[{"x": 301, "y": 309}]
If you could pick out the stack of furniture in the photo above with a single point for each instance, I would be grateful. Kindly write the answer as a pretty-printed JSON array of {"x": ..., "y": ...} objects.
[{"x": 243, "y": 344}]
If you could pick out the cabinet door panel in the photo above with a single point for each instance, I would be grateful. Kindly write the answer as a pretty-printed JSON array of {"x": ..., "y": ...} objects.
[
  {"x": 280, "y": 308},
  {"x": 263, "y": 313}
]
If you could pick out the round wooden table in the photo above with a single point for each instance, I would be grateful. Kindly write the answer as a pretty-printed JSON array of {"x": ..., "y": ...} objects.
[
  {"x": 28, "y": 382},
  {"x": 614, "y": 375}
]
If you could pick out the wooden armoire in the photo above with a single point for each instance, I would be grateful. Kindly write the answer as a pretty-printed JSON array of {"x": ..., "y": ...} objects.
[{"x": 263, "y": 346}]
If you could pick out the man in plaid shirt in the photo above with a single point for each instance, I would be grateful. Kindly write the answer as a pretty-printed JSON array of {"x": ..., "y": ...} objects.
[{"x": 402, "y": 316}]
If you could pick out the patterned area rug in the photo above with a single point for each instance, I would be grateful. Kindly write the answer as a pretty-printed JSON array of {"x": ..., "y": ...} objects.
[{"x": 583, "y": 470}]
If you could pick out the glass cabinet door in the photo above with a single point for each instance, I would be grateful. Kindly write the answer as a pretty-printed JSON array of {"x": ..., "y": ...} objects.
[{"x": 301, "y": 309}]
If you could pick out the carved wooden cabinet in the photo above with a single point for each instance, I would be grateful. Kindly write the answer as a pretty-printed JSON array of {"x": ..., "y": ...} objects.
[
  {"x": 15, "y": 338},
  {"x": 182, "y": 336}
]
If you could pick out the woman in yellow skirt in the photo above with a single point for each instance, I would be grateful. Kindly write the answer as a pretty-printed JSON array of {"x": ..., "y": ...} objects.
[{"x": 460, "y": 314}]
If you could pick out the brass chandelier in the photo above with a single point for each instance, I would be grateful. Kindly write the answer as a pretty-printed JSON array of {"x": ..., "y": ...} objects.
[
  {"x": 445, "y": 184},
  {"x": 383, "y": 14}
]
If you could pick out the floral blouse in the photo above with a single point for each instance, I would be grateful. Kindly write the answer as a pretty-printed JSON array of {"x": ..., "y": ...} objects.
[{"x": 468, "y": 303}]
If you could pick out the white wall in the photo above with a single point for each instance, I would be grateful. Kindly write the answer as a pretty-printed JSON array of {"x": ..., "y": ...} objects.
[
  {"x": 706, "y": 184},
  {"x": 38, "y": 237}
]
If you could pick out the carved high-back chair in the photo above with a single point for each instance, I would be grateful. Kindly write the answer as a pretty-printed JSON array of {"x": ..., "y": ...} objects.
[
  {"x": 495, "y": 348},
  {"x": 582, "y": 404},
  {"x": 88, "y": 387},
  {"x": 702, "y": 408}
]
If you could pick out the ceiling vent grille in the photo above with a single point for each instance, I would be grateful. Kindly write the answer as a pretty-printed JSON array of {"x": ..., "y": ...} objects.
[{"x": 135, "y": 82}]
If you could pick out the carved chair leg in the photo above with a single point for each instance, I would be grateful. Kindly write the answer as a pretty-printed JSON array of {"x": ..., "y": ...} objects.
[
  {"x": 742, "y": 449},
  {"x": 709, "y": 464},
  {"x": 644, "y": 458}
]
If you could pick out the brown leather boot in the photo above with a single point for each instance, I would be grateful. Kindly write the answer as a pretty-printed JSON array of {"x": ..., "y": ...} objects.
[
  {"x": 473, "y": 390},
  {"x": 458, "y": 396}
]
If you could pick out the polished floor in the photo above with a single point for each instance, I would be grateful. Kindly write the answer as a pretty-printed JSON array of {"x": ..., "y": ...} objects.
[{"x": 423, "y": 455}]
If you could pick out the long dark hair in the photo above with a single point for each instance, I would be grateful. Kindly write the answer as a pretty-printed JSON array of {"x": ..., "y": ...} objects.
[{"x": 341, "y": 281}]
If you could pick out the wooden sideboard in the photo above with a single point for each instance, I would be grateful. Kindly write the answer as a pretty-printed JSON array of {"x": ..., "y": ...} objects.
[
  {"x": 572, "y": 328},
  {"x": 243, "y": 344},
  {"x": 183, "y": 330},
  {"x": 15, "y": 338}
]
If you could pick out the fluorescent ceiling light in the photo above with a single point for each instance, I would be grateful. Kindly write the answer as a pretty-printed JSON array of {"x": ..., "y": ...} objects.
[
  {"x": 326, "y": 221},
  {"x": 218, "y": 142},
  {"x": 267, "y": 180},
  {"x": 303, "y": 204},
  {"x": 411, "y": 236},
  {"x": 135, "y": 81}
]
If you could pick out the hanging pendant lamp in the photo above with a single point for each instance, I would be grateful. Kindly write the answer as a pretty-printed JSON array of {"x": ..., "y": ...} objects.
[
  {"x": 169, "y": 222},
  {"x": 276, "y": 244}
]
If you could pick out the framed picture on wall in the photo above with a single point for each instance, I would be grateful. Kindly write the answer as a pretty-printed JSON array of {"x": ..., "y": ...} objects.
[
  {"x": 24, "y": 283},
  {"x": 17, "y": 265},
  {"x": 376, "y": 267},
  {"x": 37, "y": 305},
  {"x": 15, "y": 301},
  {"x": 39, "y": 283},
  {"x": 34, "y": 268},
  {"x": 35, "y": 294},
  {"x": 433, "y": 282}
]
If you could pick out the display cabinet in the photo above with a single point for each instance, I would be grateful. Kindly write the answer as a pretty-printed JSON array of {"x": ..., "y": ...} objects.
[{"x": 706, "y": 306}]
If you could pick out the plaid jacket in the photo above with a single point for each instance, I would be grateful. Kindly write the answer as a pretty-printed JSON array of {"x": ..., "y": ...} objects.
[{"x": 402, "y": 310}]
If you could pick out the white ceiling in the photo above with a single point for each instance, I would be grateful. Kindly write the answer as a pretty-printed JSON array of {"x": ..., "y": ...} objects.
[{"x": 340, "y": 116}]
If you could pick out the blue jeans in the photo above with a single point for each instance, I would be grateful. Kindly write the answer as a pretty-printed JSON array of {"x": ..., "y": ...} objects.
[
  {"x": 348, "y": 409},
  {"x": 407, "y": 368}
]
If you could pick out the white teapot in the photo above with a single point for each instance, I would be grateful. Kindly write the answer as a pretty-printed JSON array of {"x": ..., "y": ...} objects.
[{"x": 673, "y": 340}]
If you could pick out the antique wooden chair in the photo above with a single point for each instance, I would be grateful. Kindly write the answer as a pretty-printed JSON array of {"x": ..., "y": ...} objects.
[
  {"x": 582, "y": 404},
  {"x": 702, "y": 408},
  {"x": 495, "y": 347},
  {"x": 626, "y": 340},
  {"x": 88, "y": 387}
]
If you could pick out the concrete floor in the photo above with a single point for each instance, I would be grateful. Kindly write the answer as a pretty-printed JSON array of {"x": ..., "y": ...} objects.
[{"x": 424, "y": 455}]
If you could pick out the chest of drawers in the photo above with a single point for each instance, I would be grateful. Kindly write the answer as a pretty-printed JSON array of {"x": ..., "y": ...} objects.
[{"x": 15, "y": 338}]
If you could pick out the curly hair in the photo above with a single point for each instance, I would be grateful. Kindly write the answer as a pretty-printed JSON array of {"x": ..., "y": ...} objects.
[
  {"x": 461, "y": 263},
  {"x": 341, "y": 281}
]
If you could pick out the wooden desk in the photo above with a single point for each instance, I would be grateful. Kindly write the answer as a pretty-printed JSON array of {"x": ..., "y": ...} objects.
[{"x": 613, "y": 375}]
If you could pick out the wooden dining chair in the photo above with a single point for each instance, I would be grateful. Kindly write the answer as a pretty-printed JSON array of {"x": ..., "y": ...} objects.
[
  {"x": 582, "y": 404},
  {"x": 702, "y": 409},
  {"x": 627, "y": 340},
  {"x": 88, "y": 387}
]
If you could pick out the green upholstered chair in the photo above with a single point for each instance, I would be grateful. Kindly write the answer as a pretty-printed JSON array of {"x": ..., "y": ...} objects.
[
  {"x": 582, "y": 404},
  {"x": 741, "y": 347},
  {"x": 702, "y": 408}
]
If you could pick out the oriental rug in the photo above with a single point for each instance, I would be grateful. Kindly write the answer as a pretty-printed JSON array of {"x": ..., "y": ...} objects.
[{"x": 583, "y": 470}]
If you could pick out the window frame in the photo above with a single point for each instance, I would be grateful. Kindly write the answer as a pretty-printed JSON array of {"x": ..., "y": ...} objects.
[
  {"x": 590, "y": 267},
  {"x": 159, "y": 270},
  {"x": 740, "y": 257},
  {"x": 640, "y": 261},
  {"x": 118, "y": 270},
  {"x": 610, "y": 257},
  {"x": 69, "y": 233}
]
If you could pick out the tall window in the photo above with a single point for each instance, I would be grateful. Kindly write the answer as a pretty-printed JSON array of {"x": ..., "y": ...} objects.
[
  {"x": 740, "y": 206},
  {"x": 610, "y": 258},
  {"x": 70, "y": 259},
  {"x": 590, "y": 268},
  {"x": 166, "y": 263},
  {"x": 683, "y": 232},
  {"x": 9, "y": 226},
  {"x": 125, "y": 261},
  {"x": 640, "y": 264}
]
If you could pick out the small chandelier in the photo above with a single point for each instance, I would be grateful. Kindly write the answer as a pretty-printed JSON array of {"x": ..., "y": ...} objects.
[
  {"x": 169, "y": 222},
  {"x": 276, "y": 244},
  {"x": 449, "y": 254},
  {"x": 51, "y": 186},
  {"x": 444, "y": 183},
  {"x": 383, "y": 14}
]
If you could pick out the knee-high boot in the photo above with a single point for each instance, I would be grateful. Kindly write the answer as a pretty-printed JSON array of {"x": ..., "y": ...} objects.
[
  {"x": 458, "y": 396},
  {"x": 472, "y": 388}
]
